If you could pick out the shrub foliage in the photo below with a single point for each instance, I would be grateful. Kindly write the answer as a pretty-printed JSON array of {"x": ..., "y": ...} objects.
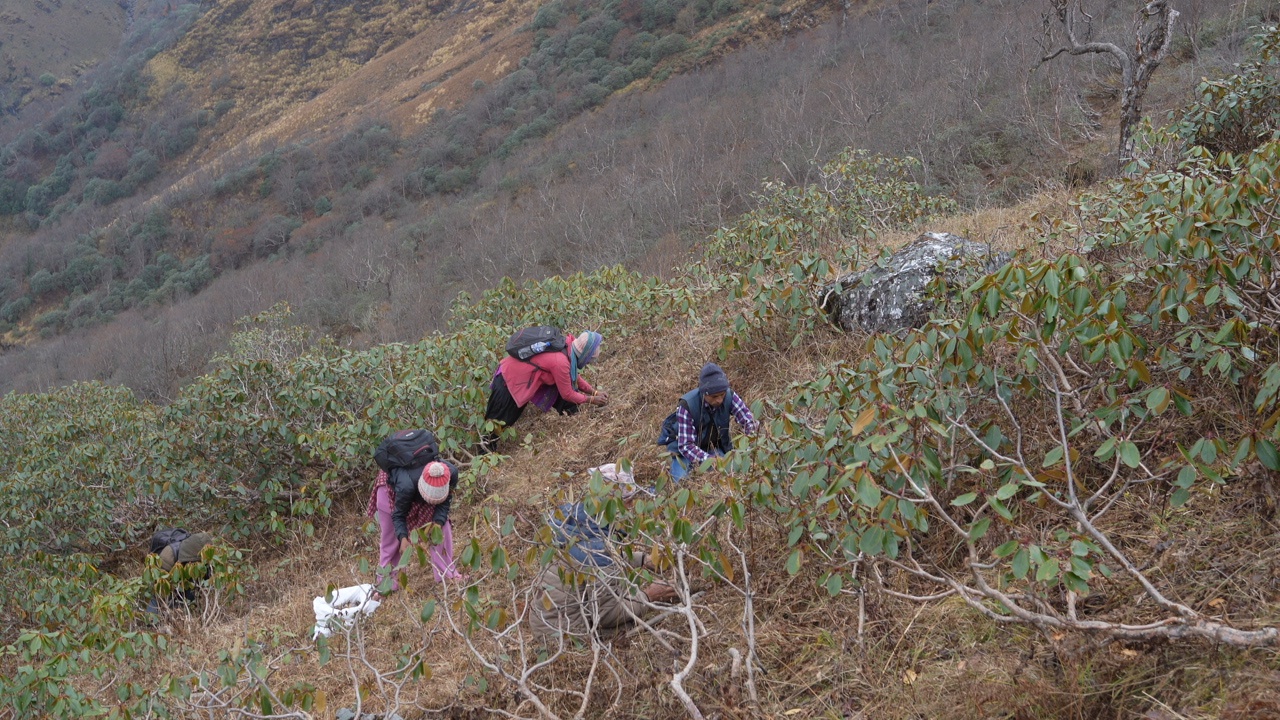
[{"x": 1132, "y": 357}]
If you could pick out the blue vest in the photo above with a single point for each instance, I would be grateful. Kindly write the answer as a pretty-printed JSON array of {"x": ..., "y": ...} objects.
[{"x": 712, "y": 429}]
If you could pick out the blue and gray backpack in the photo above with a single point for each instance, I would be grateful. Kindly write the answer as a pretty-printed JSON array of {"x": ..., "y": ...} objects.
[{"x": 573, "y": 527}]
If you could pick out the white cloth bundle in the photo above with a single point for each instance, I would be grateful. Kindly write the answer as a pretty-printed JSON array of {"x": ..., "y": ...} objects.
[
  {"x": 623, "y": 479},
  {"x": 347, "y": 603}
]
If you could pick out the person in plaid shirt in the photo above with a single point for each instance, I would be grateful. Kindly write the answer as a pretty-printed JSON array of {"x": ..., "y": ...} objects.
[{"x": 702, "y": 421}]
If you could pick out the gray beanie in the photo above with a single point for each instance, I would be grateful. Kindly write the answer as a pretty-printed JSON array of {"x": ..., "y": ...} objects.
[{"x": 712, "y": 379}]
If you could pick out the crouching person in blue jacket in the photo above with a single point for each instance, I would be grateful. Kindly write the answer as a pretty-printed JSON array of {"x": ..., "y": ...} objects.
[{"x": 702, "y": 421}]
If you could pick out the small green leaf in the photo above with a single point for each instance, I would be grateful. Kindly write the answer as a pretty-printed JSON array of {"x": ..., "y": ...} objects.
[
  {"x": 1080, "y": 567},
  {"x": 1129, "y": 454},
  {"x": 1179, "y": 497},
  {"x": 793, "y": 562},
  {"x": 428, "y": 610},
  {"x": 1007, "y": 491},
  {"x": 999, "y": 507},
  {"x": 1158, "y": 400},
  {"x": 964, "y": 499},
  {"x": 1186, "y": 477},
  {"x": 872, "y": 541},
  {"x": 1053, "y": 457},
  {"x": 1075, "y": 584},
  {"x": 1105, "y": 450},
  {"x": 979, "y": 529},
  {"x": 1047, "y": 571},
  {"x": 1266, "y": 451},
  {"x": 1007, "y": 549},
  {"x": 1021, "y": 563},
  {"x": 834, "y": 584},
  {"x": 1182, "y": 403},
  {"x": 868, "y": 493}
]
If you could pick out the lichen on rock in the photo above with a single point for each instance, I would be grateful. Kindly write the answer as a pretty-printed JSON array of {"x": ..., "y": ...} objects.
[{"x": 890, "y": 294}]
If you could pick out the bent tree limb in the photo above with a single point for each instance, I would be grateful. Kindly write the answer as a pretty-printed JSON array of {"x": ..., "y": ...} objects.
[
  {"x": 1153, "y": 36},
  {"x": 984, "y": 593}
]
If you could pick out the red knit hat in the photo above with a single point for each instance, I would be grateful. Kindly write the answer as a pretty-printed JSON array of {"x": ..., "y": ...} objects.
[{"x": 433, "y": 486}]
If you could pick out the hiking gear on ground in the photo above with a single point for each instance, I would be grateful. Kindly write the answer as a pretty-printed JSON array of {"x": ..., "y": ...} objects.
[
  {"x": 624, "y": 480},
  {"x": 407, "y": 449},
  {"x": 168, "y": 537},
  {"x": 433, "y": 484},
  {"x": 573, "y": 527},
  {"x": 534, "y": 341},
  {"x": 712, "y": 379},
  {"x": 347, "y": 603}
]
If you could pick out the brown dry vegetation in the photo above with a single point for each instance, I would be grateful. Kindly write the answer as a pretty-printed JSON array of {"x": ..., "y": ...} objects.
[
  {"x": 639, "y": 181},
  {"x": 932, "y": 660},
  {"x": 60, "y": 38}
]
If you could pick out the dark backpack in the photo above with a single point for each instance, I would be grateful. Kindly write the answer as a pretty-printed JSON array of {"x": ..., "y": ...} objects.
[
  {"x": 407, "y": 449},
  {"x": 586, "y": 539},
  {"x": 669, "y": 434},
  {"x": 534, "y": 341},
  {"x": 168, "y": 537}
]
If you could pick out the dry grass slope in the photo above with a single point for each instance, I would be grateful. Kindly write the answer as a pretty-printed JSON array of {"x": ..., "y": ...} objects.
[
  {"x": 938, "y": 660},
  {"x": 60, "y": 38}
]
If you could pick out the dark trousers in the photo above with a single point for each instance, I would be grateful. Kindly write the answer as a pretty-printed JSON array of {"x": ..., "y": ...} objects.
[{"x": 503, "y": 408}]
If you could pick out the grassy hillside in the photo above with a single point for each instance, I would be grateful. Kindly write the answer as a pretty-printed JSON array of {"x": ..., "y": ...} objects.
[
  {"x": 1055, "y": 500},
  {"x": 45, "y": 46},
  {"x": 535, "y": 170}
]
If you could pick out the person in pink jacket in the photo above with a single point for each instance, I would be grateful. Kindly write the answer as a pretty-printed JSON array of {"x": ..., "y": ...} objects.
[{"x": 548, "y": 380}]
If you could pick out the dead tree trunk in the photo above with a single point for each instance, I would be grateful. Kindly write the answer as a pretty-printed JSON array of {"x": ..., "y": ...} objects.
[{"x": 1153, "y": 35}]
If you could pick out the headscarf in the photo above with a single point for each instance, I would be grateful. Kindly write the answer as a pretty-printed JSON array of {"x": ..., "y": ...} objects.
[{"x": 585, "y": 348}]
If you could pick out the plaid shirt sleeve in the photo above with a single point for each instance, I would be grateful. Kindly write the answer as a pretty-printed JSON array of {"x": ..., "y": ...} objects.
[
  {"x": 743, "y": 415},
  {"x": 687, "y": 437}
]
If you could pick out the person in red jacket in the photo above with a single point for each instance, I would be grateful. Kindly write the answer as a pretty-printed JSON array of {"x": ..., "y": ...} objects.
[{"x": 548, "y": 380}]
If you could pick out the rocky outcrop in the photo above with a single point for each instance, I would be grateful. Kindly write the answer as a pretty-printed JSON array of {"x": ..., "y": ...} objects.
[{"x": 889, "y": 295}]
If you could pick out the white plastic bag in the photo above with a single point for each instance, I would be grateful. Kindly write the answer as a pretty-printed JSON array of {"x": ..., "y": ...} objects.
[
  {"x": 347, "y": 603},
  {"x": 623, "y": 479}
]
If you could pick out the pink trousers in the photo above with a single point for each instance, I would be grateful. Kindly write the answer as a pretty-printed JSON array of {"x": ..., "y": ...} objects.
[{"x": 389, "y": 549}]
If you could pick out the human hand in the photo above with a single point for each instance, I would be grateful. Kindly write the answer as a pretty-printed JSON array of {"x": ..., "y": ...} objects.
[
  {"x": 660, "y": 592},
  {"x": 404, "y": 545}
]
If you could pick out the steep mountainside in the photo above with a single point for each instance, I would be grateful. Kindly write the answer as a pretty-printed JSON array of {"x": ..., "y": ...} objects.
[
  {"x": 46, "y": 44},
  {"x": 293, "y": 71},
  {"x": 270, "y": 58},
  {"x": 1057, "y": 498},
  {"x": 1054, "y": 501},
  {"x": 261, "y": 150}
]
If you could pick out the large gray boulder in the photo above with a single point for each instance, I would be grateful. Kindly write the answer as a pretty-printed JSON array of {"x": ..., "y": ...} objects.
[{"x": 889, "y": 295}]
